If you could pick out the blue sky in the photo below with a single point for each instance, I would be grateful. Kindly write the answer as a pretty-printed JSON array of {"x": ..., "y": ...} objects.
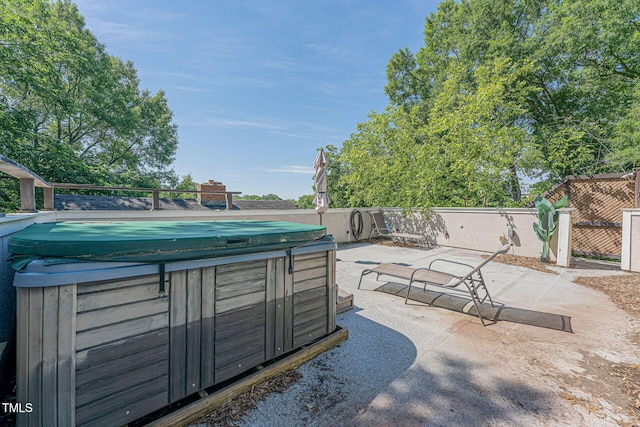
[{"x": 257, "y": 87}]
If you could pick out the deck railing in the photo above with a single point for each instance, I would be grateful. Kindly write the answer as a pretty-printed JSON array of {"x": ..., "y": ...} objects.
[{"x": 30, "y": 180}]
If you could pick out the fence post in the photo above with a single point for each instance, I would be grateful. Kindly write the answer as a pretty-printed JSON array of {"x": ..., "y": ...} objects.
[
  {"x": 27, "y": 195},
  {"x": 155, "y": 200},
  {"x": 565, "y": 228},
  {"x": 48, "y": 198}
]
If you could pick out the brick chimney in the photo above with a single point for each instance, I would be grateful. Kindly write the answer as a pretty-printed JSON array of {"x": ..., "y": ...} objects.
[{"x": 211, "y": 186}]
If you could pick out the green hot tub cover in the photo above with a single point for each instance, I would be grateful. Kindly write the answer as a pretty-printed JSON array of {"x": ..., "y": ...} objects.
[{"x": 155, "y": 241}]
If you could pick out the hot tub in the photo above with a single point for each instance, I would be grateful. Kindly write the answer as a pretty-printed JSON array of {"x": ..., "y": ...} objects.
[{"x": 117, "y": 320}]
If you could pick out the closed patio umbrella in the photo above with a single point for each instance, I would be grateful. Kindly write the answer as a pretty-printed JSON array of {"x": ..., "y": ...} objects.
[{"x": 321, "y": 200}]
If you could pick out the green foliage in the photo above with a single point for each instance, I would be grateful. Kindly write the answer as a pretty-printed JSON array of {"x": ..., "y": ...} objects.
[
  {"x": 501, "y": 91},
  {"x": 306, "y": 201},
  {"x": 256, "y": 197},
  {"x": 547, "y": 220},
  {"x": 70, "y": 111}
]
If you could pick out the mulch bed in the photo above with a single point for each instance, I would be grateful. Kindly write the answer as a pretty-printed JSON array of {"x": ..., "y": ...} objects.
[
  {"x": 230, "y": 413},
  {"x": 523, "y": 261},
  {"x": 623, "y": 290}
]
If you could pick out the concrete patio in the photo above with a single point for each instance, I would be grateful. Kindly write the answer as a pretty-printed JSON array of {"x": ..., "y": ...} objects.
[{"x": 419, "y": 365}]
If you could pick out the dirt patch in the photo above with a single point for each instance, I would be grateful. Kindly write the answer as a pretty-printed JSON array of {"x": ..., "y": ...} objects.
[
  {"x": 523, "y": 261},
  {"x": 609, "y": 390},
  {"x": 230, "y": 413},
  {"x": 391, "y": 242}
]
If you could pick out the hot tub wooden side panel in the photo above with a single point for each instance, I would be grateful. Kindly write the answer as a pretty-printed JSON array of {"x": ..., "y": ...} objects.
[
  {"x": 122, "y": 350},
  {"x": 313, "y": 297},
  {"x": 110, "y": 351},
  {"x": 45, "y": 356}
]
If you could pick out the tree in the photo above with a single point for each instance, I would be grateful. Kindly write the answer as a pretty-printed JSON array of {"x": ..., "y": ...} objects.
[
  {"x": 70, "y": 111},
  {"x": 256, "y": 197},
  {"x": 306, "y": 201},
  {"x": 501, "y": 90}
]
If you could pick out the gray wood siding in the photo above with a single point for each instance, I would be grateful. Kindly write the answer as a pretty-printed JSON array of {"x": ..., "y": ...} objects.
[
  {"x": 310, "y": 298},
  {"x": 122, "y": 350},
  {"x": 241, "y": 317},
  {"x": 111, "y": 351},
  {"x": 207, "y": 328},
  {"x": 45, "y": 361}
]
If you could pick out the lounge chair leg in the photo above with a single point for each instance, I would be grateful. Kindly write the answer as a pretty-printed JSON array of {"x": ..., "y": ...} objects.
[
  {"x": 360, "y": 282},
  {"x": 407, "y": 296}
]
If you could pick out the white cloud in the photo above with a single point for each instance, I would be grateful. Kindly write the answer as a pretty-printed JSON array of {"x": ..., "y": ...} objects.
[
  {"x": 192, "y": 89},
  {"x": 234, "y": 123},
  {"x": 302, "y": 170}
]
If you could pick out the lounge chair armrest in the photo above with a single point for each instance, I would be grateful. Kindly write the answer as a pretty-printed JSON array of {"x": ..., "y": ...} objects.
[{"x": 451, "y": 262}]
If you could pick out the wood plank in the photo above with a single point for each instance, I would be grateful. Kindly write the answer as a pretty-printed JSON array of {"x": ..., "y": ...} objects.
[
  {"x": 270, "y": 315},
  {"x": 19, "y": 171},
  {"x": 119, "y": 313},
  {"x": 246, "y": 363},
  {"x": 318, "y": 315},
  {"x": 131, "y": 413},
  {"x": 312, "y": 295},
  {"x": 49, "y": 353},
  {"x": 311, "y": 255},
  {"x": 22, "y": 350},
  {"x": 194, "y": 315},
  {"x": 240, "y": 276},
  {"x": 288, "y": 310},
  {"x": 120, "y": 381},
  {"x": 241, "y": 301},
  {"x": 194, "y": 411},
  {"x": 279, "y": 343},
  {"x": 118, "y": 331},
  {"x": 309, "y": 326},
  {"x": 237, "y": 330},
  {"x": 239, "y": 353},
  {"x": 240, "y": 266},
  {"x": 178, "y": 336},
  {"x": 35, "y": 355},
  {"x": 345, "y": 302},
  {"x": 310, "y": 336},
  {"x": 27, "y": 195},
  {"x": 98, "y": 355},
  {"x": 309, "y": 284},
  {"x": 300, "y": 309},
  {"x": 100, "y": 300},
  {"x": 106, "y": 285},
  {"x": 119, "y": 365},
  {"x": 254, "y": 335},
  {"x": 66, "y": 355},
  {"x": 332, "y": 291},
  {"x": 311, "y": 263},
  {"x": 208, "y": 327},
  {"x": 313, "y": 273},
  {"x": 119, "y": 403},
  {"x": 249, "y": 315},
  {"x": 239, "y": 289}
]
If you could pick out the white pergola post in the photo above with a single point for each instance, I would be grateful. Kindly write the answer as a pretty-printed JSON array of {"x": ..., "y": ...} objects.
[
  {"x": 630, "y": 256},
  {"x": 565, "y": 228}
]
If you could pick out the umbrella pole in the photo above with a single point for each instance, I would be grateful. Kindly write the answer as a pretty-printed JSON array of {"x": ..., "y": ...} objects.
[{"x": 320, "y": 219}]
